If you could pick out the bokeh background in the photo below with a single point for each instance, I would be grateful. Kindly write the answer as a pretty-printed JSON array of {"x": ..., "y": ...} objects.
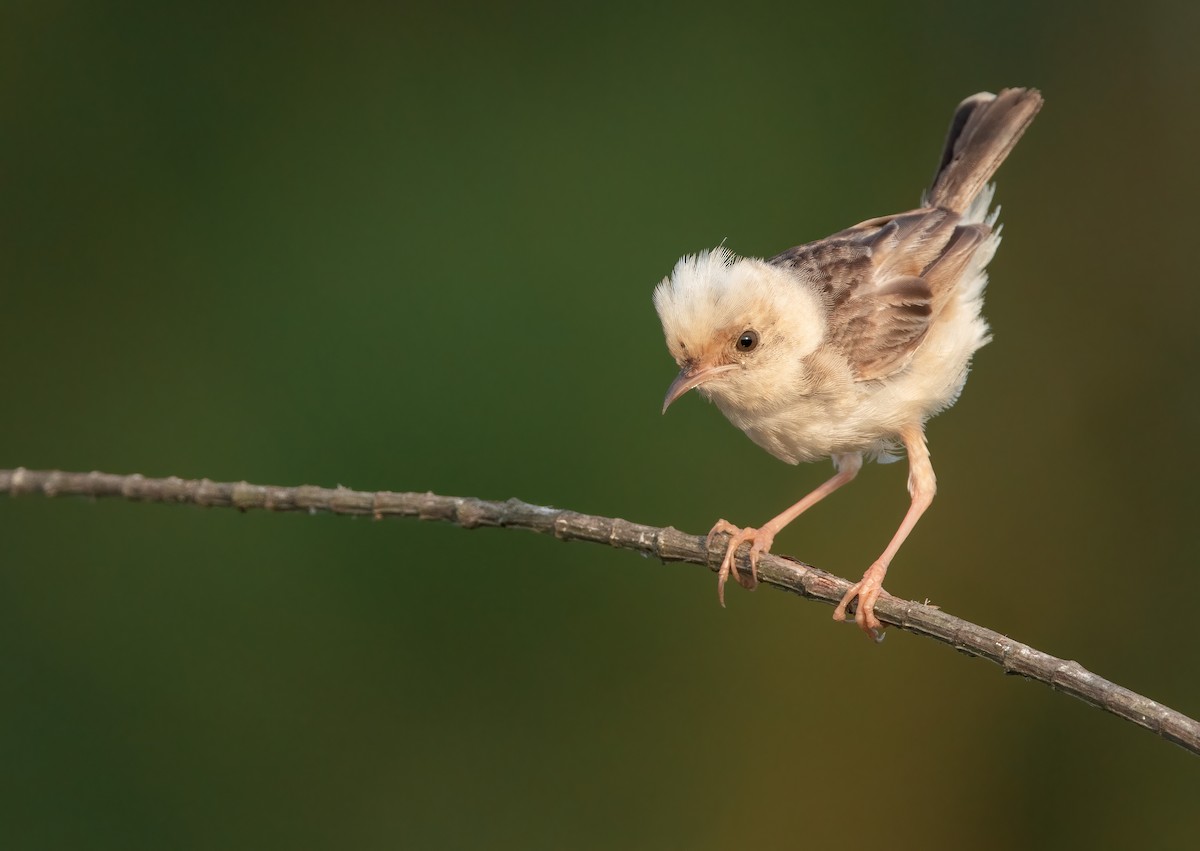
[{"x": 412, "y": 247}]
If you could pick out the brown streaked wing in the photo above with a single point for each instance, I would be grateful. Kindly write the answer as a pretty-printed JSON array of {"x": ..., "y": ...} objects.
[
  {"x": 870, "y": 276},
  {"x": 880, "y": 331},
  {"x": 836, "y": 266}
]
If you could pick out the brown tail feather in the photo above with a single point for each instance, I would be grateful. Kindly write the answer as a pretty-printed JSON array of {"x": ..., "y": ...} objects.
[{"x": 982, "y": 133}]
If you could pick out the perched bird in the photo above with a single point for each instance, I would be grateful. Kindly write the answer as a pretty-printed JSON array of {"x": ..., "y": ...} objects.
[{"x": 846, "y": 346}]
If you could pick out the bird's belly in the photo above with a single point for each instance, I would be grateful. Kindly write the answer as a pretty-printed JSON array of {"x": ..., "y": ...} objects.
[
  {"x": 867, "y": 420},
  {"x": 809, "y": 432}
]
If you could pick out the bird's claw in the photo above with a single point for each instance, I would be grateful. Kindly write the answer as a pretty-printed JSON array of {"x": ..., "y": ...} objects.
[
  {"x": 760, "y": 542},
  {"x": 867, "y": 590}
]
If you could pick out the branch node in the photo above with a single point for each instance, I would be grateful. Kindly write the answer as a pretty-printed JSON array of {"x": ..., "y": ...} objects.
[
  {"x": 16, "y": 481},
  {"x": 469, "y": 513},
  {"x": 432, "y": 507},
  {"x": 130, "y": 487},
  {"x": 208, "y": 494},
  {"x": 52, "y": 484},
  {"x": 245, "y": 496}
]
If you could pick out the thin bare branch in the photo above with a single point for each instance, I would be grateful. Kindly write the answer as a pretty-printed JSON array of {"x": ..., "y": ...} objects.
[{"x": 667, "y": 544}]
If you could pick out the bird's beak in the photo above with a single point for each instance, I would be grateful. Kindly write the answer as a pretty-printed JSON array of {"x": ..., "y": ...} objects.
[{"x": 690, "y": 377}]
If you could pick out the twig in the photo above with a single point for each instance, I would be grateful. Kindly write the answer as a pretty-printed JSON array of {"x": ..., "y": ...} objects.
[{"x": 667, "y": 544}]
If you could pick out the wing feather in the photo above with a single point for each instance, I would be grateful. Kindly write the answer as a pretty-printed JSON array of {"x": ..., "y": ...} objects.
[{"x": 884, "y": 280}]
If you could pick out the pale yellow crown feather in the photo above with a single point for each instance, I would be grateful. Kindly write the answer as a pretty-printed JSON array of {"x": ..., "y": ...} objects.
[{"x": 716, "y": 294}]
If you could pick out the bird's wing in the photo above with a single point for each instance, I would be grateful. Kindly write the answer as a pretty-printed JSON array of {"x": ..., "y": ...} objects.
[{"x": 884, "y": 281}]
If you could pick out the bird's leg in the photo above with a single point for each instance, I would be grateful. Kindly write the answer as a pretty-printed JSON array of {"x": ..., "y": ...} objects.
[
  {"x": 761, "y": 538},
  {"x": 922, "y": 484}
]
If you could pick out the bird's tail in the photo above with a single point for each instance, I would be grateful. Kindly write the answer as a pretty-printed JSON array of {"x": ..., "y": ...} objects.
[{"x": 982, "y": 133}]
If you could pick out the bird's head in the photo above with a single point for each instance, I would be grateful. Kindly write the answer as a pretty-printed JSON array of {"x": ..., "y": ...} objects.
[{"x": 738, "y": 327}]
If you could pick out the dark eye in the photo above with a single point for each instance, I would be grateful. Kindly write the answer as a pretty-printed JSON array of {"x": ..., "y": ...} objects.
[{"x": 748, "y": 341}]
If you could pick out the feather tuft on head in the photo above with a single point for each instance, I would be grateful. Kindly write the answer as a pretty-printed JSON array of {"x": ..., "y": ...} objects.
[{"x": 713, "y": 296}]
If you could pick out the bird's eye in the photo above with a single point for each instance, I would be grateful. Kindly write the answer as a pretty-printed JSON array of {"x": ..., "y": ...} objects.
[{"x": 748, "y": 341}]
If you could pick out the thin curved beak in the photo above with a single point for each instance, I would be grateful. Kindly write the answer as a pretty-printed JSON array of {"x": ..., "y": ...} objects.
[{"x": 690, "y": 377}]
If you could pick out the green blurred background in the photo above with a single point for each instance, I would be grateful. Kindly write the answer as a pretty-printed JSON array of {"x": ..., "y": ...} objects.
[{"x": 412, "y": 248}]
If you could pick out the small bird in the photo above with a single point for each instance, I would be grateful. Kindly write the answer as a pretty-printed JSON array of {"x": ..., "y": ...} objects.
[{"x": 846, "y": 346}]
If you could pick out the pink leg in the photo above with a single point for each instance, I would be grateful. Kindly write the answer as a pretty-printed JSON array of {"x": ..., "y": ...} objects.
[
  {"x": 761, "y": 539},
  {"x": 922, "y": 484}
]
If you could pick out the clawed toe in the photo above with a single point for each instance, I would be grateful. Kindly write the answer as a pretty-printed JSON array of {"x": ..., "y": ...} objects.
[
  {"x": 867, "y": 590},
  {"x": 721, "y": 527},
  {"x": 760, "y": 542}
]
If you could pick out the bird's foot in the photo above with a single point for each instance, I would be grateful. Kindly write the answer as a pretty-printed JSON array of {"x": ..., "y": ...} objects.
[
  {"x": 867, "y": 590},
  {"x": 760, "y": 542}
]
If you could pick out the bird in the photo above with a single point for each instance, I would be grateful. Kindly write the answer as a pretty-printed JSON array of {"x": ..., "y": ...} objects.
[{"x": 845, "y": 347}]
